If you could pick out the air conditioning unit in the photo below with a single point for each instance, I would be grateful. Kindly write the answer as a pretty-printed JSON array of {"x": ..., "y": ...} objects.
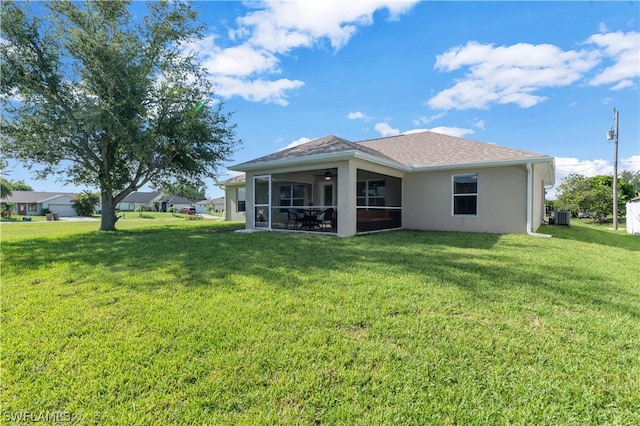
[{"x": 563, "y": 217}]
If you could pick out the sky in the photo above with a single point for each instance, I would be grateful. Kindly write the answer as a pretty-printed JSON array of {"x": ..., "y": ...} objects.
[{"x": 537, "y": 76}]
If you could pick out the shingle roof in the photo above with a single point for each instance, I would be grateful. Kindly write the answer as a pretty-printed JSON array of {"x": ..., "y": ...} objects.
[
  {"x": 35, "y": 196},
  {"x": 219, "y": 200},
  {"x": 141, "y": 197},
  {"x": 426, "y": 149},
  {"x": 423, "y": 149},
  {"x": 234, "y": 180},
  {"x": 177, "y": 199},
  {"x": 326, "y": 145}
]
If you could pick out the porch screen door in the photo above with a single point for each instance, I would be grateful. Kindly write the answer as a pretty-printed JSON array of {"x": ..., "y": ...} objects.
[{"x": 262, "y": 201}]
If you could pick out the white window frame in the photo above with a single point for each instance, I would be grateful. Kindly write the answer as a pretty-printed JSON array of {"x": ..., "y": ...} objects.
[
  {"x": 291, "y": 199},
  {"x": 238, "y": 199},
  {"x": 368, "y": 197},
  {"x": 476, "y": 194}
]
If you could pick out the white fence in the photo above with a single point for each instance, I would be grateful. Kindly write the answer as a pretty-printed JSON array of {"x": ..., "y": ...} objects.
[{"x": 633, "y": 218}]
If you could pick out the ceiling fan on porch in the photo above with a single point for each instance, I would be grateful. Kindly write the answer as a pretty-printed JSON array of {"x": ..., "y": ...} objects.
[{"x": 328, "y": 175}]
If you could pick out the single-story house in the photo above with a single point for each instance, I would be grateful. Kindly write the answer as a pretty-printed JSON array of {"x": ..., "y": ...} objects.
[
  {"x": 216, "y": 205},
  {"x": 139, "y": 199},
  {"x": 154, "y": 201},
  {"x": 235, "y": 198},
  {"x": 31, "y": 203},
  {"x": 424, "y": 181}
]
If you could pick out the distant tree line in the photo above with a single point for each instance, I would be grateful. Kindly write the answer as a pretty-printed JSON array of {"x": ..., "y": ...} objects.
[{"x": 594, "y": 195}]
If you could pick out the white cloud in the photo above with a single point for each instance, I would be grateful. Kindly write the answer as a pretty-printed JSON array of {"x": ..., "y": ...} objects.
[
  {"x": 240, "y": 60},
  {"x": 271, "y": 30},
  {"x": 357, "y": 115},
  {"x": 297, "y": 142},
  {"x": 624, "y": 50},
  {"x": 280, "y": 26},
  {"x": 632, "y": 163},
  {"x": 424, "y": 119},
  {"x": 256, "y": 90},
  {"x": 623, "y": 84},
  {"x": 452, "y": 131},
  {"x": 507, "y": 74},
  {"x": 386, "y": 130},
  {"x": 409, "y": 132},
  {"x": 480, "y": 124}
]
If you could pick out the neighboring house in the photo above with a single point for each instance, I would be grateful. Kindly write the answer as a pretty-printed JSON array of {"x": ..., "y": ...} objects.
[
  {"x": 425, "y": 181},
  {"x": 31, "y": 203},
  {"x": 633, "y": 216},
  {"x": 137, "y": 199},
  {"x": 152, "y": 200},
  {"x": 177, "y": 202},
  {"x": 215, "y": 205},
  {"x": 235, "y": 198}
]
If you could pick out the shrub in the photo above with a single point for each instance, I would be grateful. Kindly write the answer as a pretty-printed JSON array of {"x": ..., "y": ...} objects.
[{"x": 85, "y": 203}]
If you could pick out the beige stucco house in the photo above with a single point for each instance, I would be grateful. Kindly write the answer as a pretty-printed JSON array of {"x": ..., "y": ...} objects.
[
  {"x": 425, "y": 181},
  {"x": 31, "y": 203}
]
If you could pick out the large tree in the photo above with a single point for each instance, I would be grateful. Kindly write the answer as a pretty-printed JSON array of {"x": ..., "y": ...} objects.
[
  {"x": 105, "y": 97},
  {"x": 592, "y": 194}
]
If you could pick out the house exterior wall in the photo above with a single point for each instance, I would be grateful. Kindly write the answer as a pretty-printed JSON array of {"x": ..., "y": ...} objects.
[
  {"x": 427, "y": 197},
  {"x": 128, "y": 206},
  {"x": 26, "y": 209},
  {"x": 62, "y": 206},
  {"x": 231, "y": 212},
  {"x": 428, "y": 201}
]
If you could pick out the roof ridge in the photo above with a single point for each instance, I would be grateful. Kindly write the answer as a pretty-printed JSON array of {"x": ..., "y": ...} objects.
[{"x": 443, "y": 135}]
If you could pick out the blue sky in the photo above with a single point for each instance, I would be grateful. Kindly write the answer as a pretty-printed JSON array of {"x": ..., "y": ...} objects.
[{"x": 537, "y": 76}]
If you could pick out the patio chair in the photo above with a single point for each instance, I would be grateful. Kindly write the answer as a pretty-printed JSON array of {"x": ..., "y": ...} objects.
[
  {"x": 292, "y": 216},
  {"x": 324, "y": 219}
]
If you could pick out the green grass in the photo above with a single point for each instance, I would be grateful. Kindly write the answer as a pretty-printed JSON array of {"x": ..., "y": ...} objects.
[{"x": 190, "y": 323}]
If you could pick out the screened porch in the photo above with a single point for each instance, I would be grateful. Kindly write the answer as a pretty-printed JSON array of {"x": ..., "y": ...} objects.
[{"x": 307, "y": 201}]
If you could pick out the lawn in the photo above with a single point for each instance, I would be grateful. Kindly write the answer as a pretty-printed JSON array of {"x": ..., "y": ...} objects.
[{"x": 186, "y": 322}]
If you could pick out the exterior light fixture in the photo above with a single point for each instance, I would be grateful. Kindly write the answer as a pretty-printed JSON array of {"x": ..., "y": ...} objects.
[{"x": 327, "y": 175}]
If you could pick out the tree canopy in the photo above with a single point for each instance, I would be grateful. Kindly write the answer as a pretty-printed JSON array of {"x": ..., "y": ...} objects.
[
  {"x": 592, "y": 194},
  {"x": 20, "y": 185},
  {"x": 85, "y": 203},
  {"x": 195, "y": 191},
  {"x": 633, "y": 178},
  {"x": 101, "y": 96}
]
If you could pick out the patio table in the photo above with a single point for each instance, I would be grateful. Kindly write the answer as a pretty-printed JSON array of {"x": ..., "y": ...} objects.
[{"x": 309, "y": 218}]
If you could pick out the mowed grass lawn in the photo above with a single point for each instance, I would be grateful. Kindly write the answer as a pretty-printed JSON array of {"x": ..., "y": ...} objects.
[{"x": 190, "y": 323}]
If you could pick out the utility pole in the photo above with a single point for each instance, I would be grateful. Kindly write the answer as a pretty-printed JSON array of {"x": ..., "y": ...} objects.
[{"x": 613, "y": 135}]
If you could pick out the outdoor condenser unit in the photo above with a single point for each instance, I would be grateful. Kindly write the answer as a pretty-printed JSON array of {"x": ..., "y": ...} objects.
[{"x": 563, "y": 217}]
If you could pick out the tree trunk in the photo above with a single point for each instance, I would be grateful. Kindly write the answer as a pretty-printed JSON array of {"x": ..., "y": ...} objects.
[{"x": 108, "y": 221}]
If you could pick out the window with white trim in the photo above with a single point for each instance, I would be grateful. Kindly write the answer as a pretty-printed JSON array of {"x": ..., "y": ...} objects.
[
  {"x": 292, "y": 195},
  {"x": 241, "y": 193},
  {"x": 465, "y": 195},
  {"x": 370, "y": 193}
]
